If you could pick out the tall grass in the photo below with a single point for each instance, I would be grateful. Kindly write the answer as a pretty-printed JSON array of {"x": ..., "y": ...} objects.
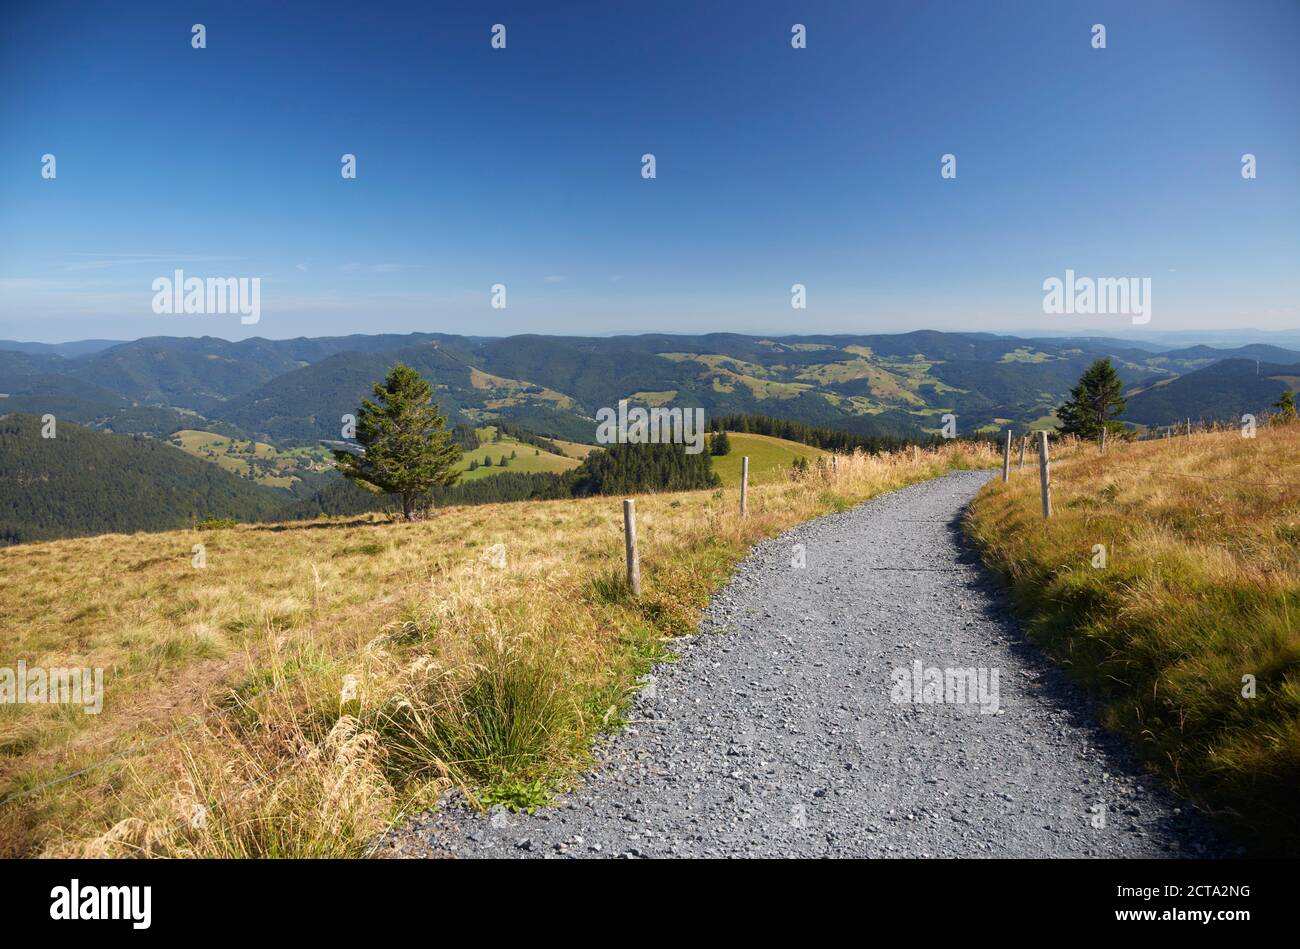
[
  {"x": 1196, "y": 604},
  {"x": 353, "y": 670}
]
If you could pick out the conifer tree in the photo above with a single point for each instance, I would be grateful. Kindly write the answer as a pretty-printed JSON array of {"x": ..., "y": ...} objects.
[
  {"x": 1286, "y": 405},
  {"x": 1094, "y": 402},
  {"x": 408, "y": 449}
]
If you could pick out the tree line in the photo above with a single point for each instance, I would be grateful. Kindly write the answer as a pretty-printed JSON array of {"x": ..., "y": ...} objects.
[
  {"x": 829, "y": 439},
  {"x": 65, "y": 480}
]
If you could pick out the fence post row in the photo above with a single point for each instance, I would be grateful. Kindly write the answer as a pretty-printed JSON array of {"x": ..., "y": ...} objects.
[
  {"x": 744, "y": 486},
  {"x": 1045, "y": 474},
  {"x": 629, "y": 537}
]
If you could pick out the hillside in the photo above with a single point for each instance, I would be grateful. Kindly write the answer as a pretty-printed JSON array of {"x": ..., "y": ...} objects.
[
  {"x": 307, "y": 404},
  {"x": 528, "y": 459},
  {"x": 770, "y": 458},
  {"x": 268, "y": 410},
  {"x": 86, "y": 482},
  {"x": 1185, "y": 632},
  {"x": 527, "y": 476},
  {"x": 298, "y": 470},
  {"x": 492, "y": 667},
  {"x": 293, "y": 393},
  {"x": 1224, "y": 390},
  {"x": 79, "y": 348}
]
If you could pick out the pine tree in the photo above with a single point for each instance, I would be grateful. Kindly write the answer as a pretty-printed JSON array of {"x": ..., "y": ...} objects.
[
  {"x": 719, "y": 444},
  {"x": 1286, "y": 405},
  {"x": 1093, "y": 403},
  {"x": 408, "y": 448}
]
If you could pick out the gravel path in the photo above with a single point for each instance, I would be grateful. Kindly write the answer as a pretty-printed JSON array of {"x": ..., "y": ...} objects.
[{"x": 779, "y": 731}]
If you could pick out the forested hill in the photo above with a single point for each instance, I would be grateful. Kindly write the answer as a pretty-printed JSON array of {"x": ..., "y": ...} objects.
[
  {"x": 294, "y": 393},
  {"x": 258, "y": 417},
  {"x": 1223, "y": 390},
  {"x": 88, "y": 482}
]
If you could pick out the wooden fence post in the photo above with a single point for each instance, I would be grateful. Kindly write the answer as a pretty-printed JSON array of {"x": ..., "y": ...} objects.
[
  {"x": 1023, "y": 439},
  {"x": 1006, "y": 458},
  {"x": 629, "y": 536},
  {"x": 744, "y": 486},
  {"x": 916, "y": 454},
  {"x": 1045, "y": 474},
  {"x": 1103, "y": 438}
]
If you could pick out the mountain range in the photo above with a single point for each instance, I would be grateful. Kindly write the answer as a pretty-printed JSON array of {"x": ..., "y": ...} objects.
[
  {"x": 295, "y": 392},
  {"x": 260, "y": 411}
]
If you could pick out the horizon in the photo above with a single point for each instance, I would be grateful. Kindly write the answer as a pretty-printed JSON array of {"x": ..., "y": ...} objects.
[
  {"x": 1150, "y": 338},
  {"x": 522, "y": 166}
]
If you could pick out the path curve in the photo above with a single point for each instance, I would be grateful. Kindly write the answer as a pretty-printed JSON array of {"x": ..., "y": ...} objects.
[{"x": 775, "y": 733}]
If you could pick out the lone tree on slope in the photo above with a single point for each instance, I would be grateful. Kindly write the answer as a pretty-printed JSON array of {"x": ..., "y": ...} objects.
[
  {"x": 1094, "y": 402},
  {"x": 408, "y": 448}
]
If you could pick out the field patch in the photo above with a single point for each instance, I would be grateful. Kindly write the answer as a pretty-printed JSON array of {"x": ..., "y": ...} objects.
[
  {"x": 770, "y": 459},
  {"x": 258, "y": 461},
  {"x": 520, "y": 457}
]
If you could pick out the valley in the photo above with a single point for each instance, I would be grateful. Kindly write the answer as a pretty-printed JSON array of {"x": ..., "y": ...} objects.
[
  {"x": 266, "y": 414},
  {"x": 259, "y": 462}
]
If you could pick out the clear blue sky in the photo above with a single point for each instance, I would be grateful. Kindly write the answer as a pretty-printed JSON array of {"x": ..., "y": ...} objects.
[{"x": 522, "y": 166}]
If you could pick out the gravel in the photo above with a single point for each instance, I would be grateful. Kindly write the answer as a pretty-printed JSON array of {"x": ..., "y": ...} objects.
[{"x": 774, "y": 733}]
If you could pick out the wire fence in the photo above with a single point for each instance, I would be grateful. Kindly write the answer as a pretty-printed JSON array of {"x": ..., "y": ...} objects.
[{"x": 1248, "y": 429}]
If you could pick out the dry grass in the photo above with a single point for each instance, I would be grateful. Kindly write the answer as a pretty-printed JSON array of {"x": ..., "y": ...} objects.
[
  {"x": 330, "y": 676},
  {"x": 1201, "y": 588}
]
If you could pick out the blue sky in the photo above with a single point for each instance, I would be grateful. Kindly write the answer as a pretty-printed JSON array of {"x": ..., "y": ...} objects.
[{"x": 522, "y": 166}]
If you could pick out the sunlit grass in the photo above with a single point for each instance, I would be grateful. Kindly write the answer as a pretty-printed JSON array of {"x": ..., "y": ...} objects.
[
  {"x": 769, "y": 458},
  {"x": 1200, "y": 589},
  {"x": 332, "y": 675}
]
